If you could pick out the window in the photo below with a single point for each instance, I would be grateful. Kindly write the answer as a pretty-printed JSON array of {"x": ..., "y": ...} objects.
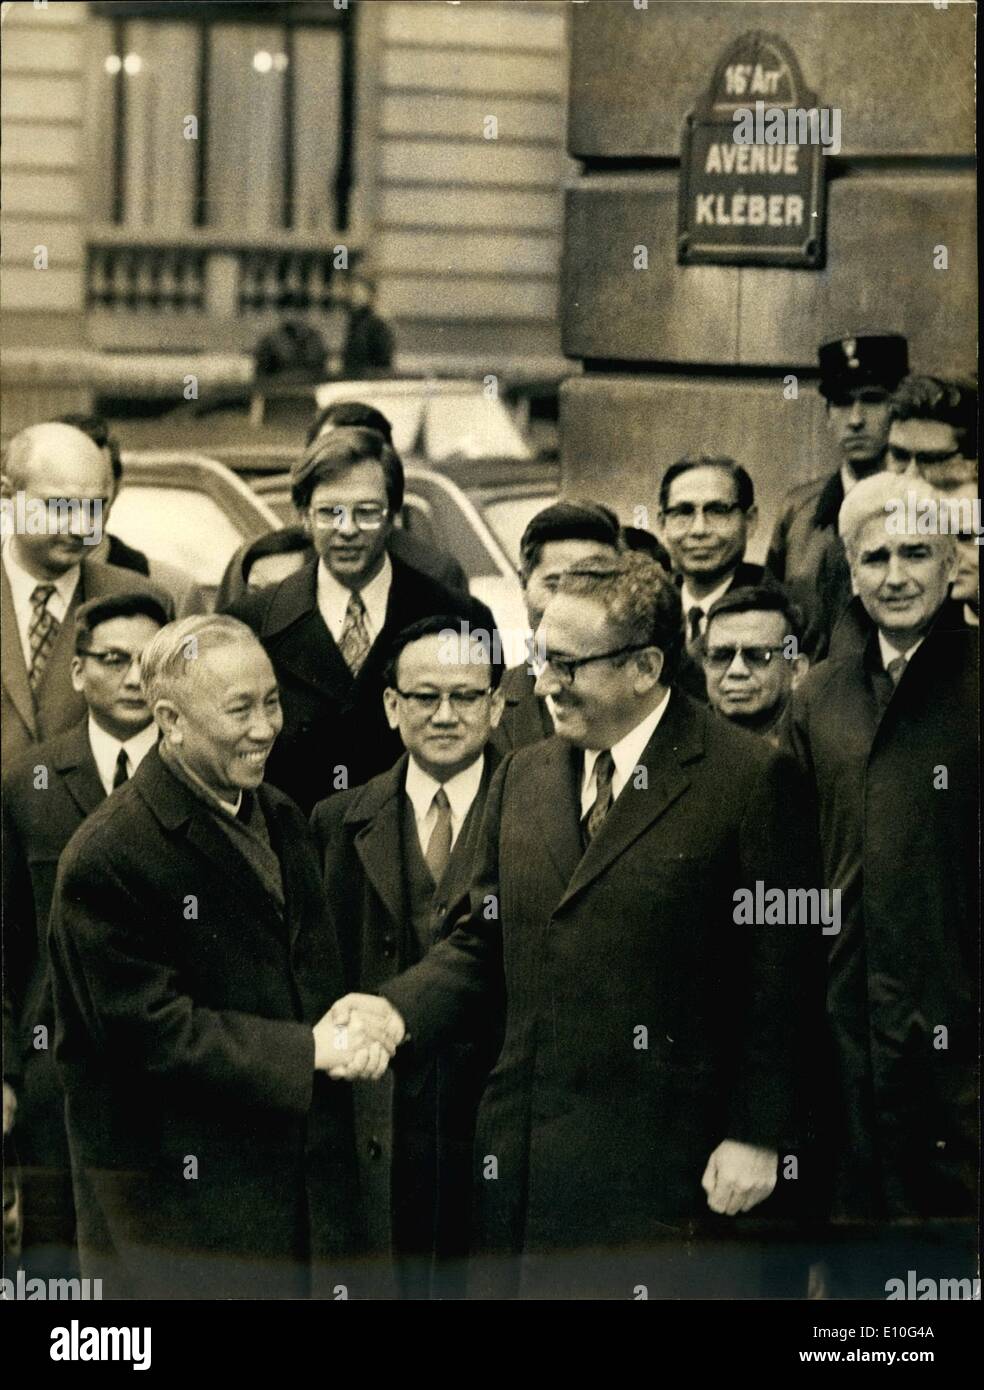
[{"x": 233, "y": 117}]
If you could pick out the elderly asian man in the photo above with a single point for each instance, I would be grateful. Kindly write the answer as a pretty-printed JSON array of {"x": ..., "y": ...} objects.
[
  {"x": 751, "y": 657},
  {"x": 193, "y": 968}
]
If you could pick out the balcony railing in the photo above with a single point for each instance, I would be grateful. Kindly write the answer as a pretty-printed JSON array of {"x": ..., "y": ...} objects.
[{"x": 204, "y": 289}]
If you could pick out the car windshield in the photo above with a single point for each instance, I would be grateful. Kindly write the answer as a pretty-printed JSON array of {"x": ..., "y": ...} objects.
[
  {"x": 508, "y": 519},
  {"x": 183, "y": 526},
  {"x": 470, "y": 427}
]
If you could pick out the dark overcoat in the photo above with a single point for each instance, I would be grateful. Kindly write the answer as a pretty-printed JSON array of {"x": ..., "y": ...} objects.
[
  {"x": 895, "y": 777},
  {"x": 360, "y": 837},
  {"x": 209, "y": 1159},
  {"x": 643, "y": 1025},
  {"x": 38, "y": 822},
  {"x": 330, "y": 720}
]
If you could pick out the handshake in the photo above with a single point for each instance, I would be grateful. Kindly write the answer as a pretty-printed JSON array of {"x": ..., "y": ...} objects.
[{"x": 356, "y": 1038}]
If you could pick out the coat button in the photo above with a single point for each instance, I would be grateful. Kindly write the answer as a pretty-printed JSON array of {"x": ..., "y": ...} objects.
[
  {"x": 941, "y": 1143},
  {"x": 389, "y": 945},
  {"x": 374, "y": 1148}
]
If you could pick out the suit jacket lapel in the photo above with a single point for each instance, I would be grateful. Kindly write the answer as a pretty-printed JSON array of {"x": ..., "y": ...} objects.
[
  {"x": 457, "y": 875},
  {"x": 378, "y": 842},
  {"x": 12, "y": 658},
  {"x": 77, "y": 768},
  {"x": 304, "y": 643},
  {"x": 558, "y": 785},
  {"x": 678, "y": 739}
]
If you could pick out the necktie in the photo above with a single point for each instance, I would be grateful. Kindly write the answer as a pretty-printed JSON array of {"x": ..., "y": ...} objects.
[
  {"x": 41, "y": 633},
  {"x": 604, "y": 772},
  {"x": 354, "y": 643},
  {"x": 121, "y": 775},
  {"x": 694, "y": 616},
  {"x": 439, "y": 844},
  {"x": 895, "y": 669}
]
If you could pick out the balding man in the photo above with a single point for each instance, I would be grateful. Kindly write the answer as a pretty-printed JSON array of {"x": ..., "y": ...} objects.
[
  {"x": 192, "y": 966},
  {"x": 886, "y": 730},
  {"x": 56, "y": 484}
]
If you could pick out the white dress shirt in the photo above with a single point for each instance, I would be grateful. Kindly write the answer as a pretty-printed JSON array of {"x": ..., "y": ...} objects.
[
  {"x": 461, "y": 790},
  {"x": 22, "y": 586},
  {"x": 106, "y": 751},
  {"x": 333, "y": 599},
  {"x": 625, "y": 754},
  {"x": 890, "y": 652},
  {"x": 705, "y": 604}
]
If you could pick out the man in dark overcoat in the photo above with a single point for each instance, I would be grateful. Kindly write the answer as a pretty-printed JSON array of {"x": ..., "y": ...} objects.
[
  {"x": 887, "y": 730},
  {"x": 652, "y": 1044},
  {"x": 192, "y": 967}
]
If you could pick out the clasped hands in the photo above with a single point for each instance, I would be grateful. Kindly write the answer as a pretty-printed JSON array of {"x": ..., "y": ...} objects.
[{"x": 356, "y": 1039}]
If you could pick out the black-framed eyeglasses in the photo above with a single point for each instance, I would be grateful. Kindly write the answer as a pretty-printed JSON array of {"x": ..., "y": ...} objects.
[
  {"x": 567, "y": 667},
  {"x": 429, "y": 701},
  {"x": 113, "y": 659},
  {"x": 683, "y": 513},
  {"x": 921, "y": 457},
  {"x": 755, "y": 658}
]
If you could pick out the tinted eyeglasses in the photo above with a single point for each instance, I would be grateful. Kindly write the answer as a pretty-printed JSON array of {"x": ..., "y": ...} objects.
[
  {"x": 429, "y": 701},
  {"x": 567, "y": 667},
  {"x": 755, "y": 658}
]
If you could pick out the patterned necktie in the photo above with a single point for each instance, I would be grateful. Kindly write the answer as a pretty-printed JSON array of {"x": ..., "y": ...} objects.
[
  {"x": 354, "y": 642},
  {"x": 604, "y": 772},
  {"x": 122, "y": 775},
  {"x": 694, "y": 616},
  {"x": 895, "y": 668},
  {"x": 439, "y": 844},
  {"x": 41, "y": 633}
]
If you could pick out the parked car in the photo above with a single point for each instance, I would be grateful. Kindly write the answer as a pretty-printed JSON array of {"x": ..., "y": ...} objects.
[
  {"x": 435, "y": 423},
  {"x": 479, "y": 518},
  {"x": 188, "y": 509},
  {"x": 195, "y": 512}
]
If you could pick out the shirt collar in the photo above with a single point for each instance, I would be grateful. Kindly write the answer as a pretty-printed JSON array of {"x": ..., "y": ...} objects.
[
  {"x": 374, "y": 595},
  {"x": 23, "y": 584},
  {"x": 704, "y": 604},
  {"x": 106, "y": 750},
  {"x": 890, "y": 653},
  {"x": 625, "y": 754},
  {"x": 461, "y": 789},
  {"x": 194, "y": 783}
]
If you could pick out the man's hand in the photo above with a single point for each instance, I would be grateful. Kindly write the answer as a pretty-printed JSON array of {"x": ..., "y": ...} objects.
[
  {"x": 9, "y": 1107},
  {"x": 376, "y": 1016},
  {"x": 357, "y": 1037},
  {"x": 346, "y": 1051},
  {"x": 739, "y": 1176}
]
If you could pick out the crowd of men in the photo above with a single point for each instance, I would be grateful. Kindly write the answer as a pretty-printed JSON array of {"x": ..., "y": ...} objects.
[{"x": 340, "y": 961}]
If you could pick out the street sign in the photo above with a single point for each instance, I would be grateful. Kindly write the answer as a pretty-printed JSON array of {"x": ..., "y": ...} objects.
[{"x": 752, "y": 189}]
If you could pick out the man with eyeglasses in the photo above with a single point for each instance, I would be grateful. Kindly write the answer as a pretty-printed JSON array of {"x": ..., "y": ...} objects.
[
  {"x": 46, "y": 573},
  {"x": 886, "y": 731},
  {"x": 752, "y": 659},
  {"x": 396, "y": 855},
  {"x": 565, "y": 534},
  {"x": 933, "y": 432},
  {"x": 858, "y": 374},
  {"x": 649, "y": 1067},
  {"x": 47, "y": 794},
  {"x": 327, "y": 628}
]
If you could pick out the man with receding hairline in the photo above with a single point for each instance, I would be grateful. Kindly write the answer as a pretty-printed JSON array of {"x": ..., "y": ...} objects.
[
  {"x": 648, "y": 1074},
  {"x": 46, "y": 573},
  {"x": 193, "y": 969}
]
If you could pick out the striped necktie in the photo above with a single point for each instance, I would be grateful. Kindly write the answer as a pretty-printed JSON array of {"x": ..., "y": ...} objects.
[
  {"x": 604, "y": 772},
  {"x": 895, "y": 668},
  {"x": 41, "y": 633}
]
